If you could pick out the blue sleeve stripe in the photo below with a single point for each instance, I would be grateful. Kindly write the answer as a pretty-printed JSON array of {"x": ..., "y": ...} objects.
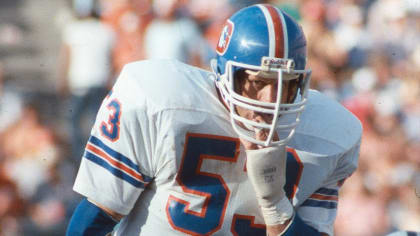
[
  {"x": 118, "y": 157},
  {"x": 327, "y": 191},
  {"x": 322, "y": 204},
  {"x": 94, "y": 150},
  {"x": 117, "y": 172},
  {"x": 97, "y": 142}
]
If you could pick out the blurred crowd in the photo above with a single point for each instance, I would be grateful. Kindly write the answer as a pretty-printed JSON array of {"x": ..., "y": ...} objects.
[{"x": 363, "y": 53}]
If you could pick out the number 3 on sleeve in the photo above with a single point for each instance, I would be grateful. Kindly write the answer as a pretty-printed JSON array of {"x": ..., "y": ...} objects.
[{"x": 111, "y": 129}]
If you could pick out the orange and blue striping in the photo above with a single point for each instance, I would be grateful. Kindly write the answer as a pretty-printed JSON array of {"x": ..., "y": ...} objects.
[
  {"x": 323, "y": 197},
  {"x": 115, "y": 162}
]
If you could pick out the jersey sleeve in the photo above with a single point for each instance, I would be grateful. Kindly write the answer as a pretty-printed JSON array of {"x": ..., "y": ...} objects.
[
  {"x": 319, "y": 210},
  {"x": 117, "y": 165}
]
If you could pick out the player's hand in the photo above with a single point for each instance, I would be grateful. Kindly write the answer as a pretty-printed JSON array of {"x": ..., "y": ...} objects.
[
  {"x": 259, "y": 135},
  {"x": 266, "y": 168}
]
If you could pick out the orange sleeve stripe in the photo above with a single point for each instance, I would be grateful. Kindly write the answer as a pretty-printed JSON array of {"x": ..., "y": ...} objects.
[{"x": 323, "y": 197}]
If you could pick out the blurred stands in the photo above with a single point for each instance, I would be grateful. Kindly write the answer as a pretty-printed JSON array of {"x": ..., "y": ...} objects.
[{"x": 363, "y": 53}]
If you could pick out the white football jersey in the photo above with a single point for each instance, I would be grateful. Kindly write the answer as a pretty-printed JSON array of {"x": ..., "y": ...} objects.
[{"x": 163, "y": 152}]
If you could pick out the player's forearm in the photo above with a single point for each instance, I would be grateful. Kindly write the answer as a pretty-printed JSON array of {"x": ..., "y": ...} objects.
[
  {"x": 89, "y": 219},
  {"x": 265, "y": 170}
]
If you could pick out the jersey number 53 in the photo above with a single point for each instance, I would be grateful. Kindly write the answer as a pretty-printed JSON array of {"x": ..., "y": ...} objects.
[{"x": 213, "y": 188}]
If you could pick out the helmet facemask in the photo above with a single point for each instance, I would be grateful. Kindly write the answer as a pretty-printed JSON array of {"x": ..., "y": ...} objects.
[{"x": 282, "y": 117}]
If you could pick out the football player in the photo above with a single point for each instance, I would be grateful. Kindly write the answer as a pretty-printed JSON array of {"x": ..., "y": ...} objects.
[{"x": 247, "y": 149}]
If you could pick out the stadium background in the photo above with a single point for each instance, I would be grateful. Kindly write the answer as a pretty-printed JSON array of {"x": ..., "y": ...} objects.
[{"x": 363, "y": 53}]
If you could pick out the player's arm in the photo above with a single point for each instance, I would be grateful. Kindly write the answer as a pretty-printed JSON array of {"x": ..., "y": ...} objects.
[
  {"x": 266, "y": 171},
  {"x": 91, "y": 218},
  {"x": 266, "y": 168},
  {"x": 115, "y": 168}
]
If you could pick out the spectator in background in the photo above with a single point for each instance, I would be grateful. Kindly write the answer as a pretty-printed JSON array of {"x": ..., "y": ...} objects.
[
  {"x": 34, "y": 197},
  {"x": 50, "y": 208},
  {"x": 129, "y": 19},
  {"x": 328, "y": 57},
  {"x": 10, "y": 104},
  {"x": 86, "y": 69},
  {"x": 211, "y": 17},
  {"x": 369, "y": 214},
  {"x": 172, "y": 36},
  {"x": 11, "y": 206},
  {"x": 30, "y": 150}
]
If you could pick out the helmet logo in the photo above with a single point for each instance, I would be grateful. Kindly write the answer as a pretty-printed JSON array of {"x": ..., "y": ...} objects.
[{"x": 225, "y": 38}]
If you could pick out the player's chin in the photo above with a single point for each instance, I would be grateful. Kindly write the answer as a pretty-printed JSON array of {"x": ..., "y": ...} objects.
[
  {"x": 263, "y": 118},
  {"x": 261, "y": 134}
]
